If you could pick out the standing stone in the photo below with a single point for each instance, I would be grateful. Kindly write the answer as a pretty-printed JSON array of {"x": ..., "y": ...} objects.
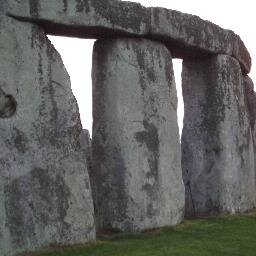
[
  {"x": 217, "y": 146},
  {"x": 250, "y": 99},
  {"x": 251, "y": 104},
  {"x": 87, "y": 144},
  {"x": 136, "y": 177},
  {"x": 45, "y": 196}
]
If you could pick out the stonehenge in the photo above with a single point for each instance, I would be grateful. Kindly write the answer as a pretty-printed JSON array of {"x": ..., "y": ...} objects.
[
  {"x": 217, "y": 143},
  {"x": 135, "y": 140},
  {"x": 57, "y": 187}
]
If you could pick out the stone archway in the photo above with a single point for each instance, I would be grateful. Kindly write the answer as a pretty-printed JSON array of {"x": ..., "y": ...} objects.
[{"x": 45, "y": 193}]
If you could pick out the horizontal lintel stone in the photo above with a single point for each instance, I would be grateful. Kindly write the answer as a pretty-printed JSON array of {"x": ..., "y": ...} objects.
[
  {"x": 83, "y": 18},
  {"x": 189, "y": 36},
  {"x": 186, "y": 35}
]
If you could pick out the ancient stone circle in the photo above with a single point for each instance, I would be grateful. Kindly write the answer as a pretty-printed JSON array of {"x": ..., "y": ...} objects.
[{"x": 56, "y": 188}]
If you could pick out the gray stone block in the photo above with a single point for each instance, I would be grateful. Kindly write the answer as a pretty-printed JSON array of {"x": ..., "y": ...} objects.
[
  {"x": 241, "y": 53},
  {"x": 251, "y": 105},
  {"x": 189, "y": 36},
  {"x": 136, "y": 176},
  {"x": 45, "y": 195},
  {"x": 217, "y": 145},
  {"x": 87, "y": 144},
  {"x": 186, "y": 35},
  {"x": 250, "y": 99},
  {"x": 83, "y": 18}
]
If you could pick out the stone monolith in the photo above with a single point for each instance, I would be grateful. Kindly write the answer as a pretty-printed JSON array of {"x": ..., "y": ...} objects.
[
  {"x": 136, "y": 176},
  {"x": 217, "y": 146},
  {"x": 251, "y": 105},
  {"x": 45, "y": 196}
]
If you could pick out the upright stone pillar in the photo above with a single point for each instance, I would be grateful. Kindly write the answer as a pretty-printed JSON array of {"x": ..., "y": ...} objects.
[
  {"x": 251, "y": 104},
  {"x": 217, "y": 146},
  {"x": 45, "y": 196},
  {"x": 136, "y": 176}
]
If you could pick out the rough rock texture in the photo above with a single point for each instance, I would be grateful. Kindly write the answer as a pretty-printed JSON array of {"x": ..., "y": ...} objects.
[
  {"x": 186, "y": 35},
  {"x": 83, "y": 18},
  {"x": 189, "y": 36},
  {"x": 241, "y": 53},
  {"x": 136, "y": 178},
  {"x": 87, "y": 144},
  {"x": 45, "y": 196},
  {"x": 3, "y": 6},
  {"x": 251, "y": 104},
  {"x": 217, "y": 145},
  {"x": 251, "y": 99}
]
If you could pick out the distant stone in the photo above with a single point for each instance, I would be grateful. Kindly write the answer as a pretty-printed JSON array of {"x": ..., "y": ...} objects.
[
  {"x": 251, "y": 105},
  {"x": 45, "y": 194},
  {"x": 217, "y": 145},
  {"x": 83, "y": 18},
  {"x": 136, "y": 176},
  {"x": 87, "y": 144},
  {"x": 251, "y": 100},
  {"x": 189, "y": 36}
]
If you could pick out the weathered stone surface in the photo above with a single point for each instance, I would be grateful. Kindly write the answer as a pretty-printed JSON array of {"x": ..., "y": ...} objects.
[
  {"x": 3, "y": 6},
  {"x": 217, "y": 146},
  {"x": 136, "y": 177},
  {"x": 189, "y": 36},
  {"x": 83, "y": 18},
  {"x": 241, "y": 53},
  {"x": 250, "y": 99},
  {"x": 186, "y": 35},
  {"x": 251, "y": 105},
  {"x": 45, "y": 196},
  {"x": 87, "y": 144}
]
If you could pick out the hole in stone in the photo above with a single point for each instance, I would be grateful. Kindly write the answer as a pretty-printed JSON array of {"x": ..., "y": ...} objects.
[
  {"x": 77, "y": 58},
  {"x": 8, "y": 105}
]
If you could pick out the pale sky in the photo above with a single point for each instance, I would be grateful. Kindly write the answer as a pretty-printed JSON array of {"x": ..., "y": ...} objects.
[{"x": 239, "y": 16}]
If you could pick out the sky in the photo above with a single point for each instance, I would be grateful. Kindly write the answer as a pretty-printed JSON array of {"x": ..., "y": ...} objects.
[{"x": 239, "y": 16}]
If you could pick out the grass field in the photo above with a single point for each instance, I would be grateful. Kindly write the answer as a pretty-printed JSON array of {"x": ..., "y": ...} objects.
[{"x": 229, "y": 236}]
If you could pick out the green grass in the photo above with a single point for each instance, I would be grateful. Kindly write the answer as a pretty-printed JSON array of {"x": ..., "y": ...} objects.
[{"x": 229, "y": 236}]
